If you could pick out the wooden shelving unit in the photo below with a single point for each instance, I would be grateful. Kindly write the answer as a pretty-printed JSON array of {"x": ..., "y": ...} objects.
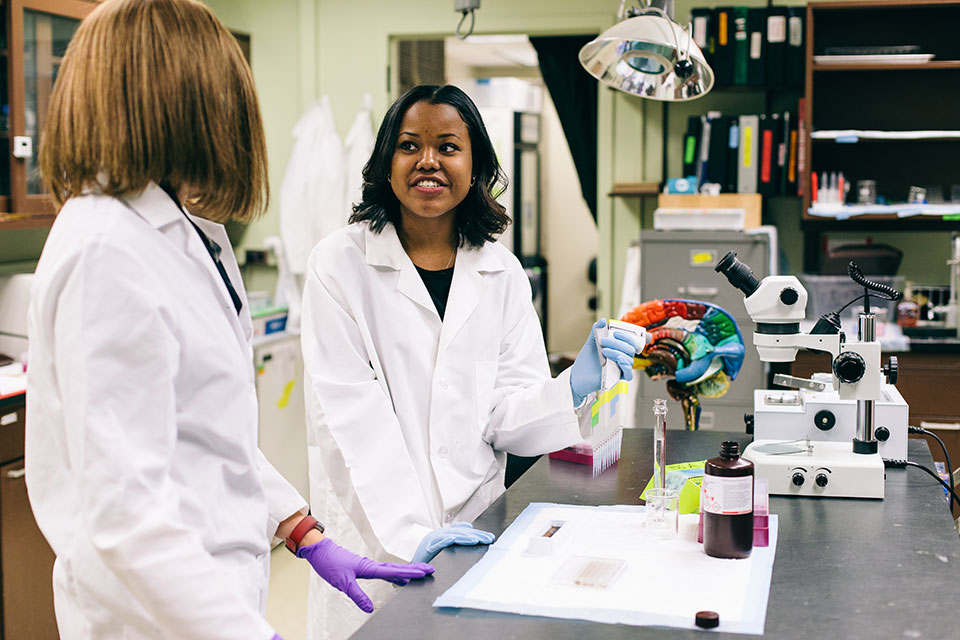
[
  {"x": 635, "y": 189},
  {"x": 902, "y": 98}
]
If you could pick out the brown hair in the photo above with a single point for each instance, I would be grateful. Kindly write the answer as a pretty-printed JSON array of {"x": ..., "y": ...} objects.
[{"x": 157, "y": 90}]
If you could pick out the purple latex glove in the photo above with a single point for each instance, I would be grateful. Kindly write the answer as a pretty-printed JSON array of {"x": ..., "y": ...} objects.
[
  {"x": 341, "y": 568},
  {"x": 276, "y": 636}
]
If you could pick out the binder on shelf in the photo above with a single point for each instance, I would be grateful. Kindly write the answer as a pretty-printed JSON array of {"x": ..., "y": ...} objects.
[
  {"x": 793, "y": 179},
  {"x": 801, "y": 144},
  {"x": 767, "y": 178},
  {"x": 748, "y": 154},
  {"x": 702, "y": 19},
  {"x": 703, "y": 149},
  {"x": 741, "y": 45},
  {"x": 757, "y": 41},
  {"x": 691, "y": 147},
  {"x": 796, "y": 49},
  {"x": 776, "y": 52},
  {"x": 733, "y": 148},
  {"x": 723, "y": 52},
  {"x": 719, "y": 145},
  {"x": 783, "y": 161}
]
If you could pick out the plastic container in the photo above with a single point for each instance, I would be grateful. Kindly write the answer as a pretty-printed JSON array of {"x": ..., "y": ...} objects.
[
  {"x": 829, "y": 293},
  {"x": 727, "y": 502}
]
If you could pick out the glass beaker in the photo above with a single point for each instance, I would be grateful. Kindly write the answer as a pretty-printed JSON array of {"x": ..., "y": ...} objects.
[{"x": 662, "y": 512}]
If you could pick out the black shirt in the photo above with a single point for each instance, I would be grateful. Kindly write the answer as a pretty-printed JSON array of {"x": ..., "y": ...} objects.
[{"x": 438, "y": 285}]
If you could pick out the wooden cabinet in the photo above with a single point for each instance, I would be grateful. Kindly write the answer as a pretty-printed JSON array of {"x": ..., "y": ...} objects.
[
  {"x": 33, "y": 38},
  {"x": 900, "y": 101},
  {"x": 26, "y": 561}
]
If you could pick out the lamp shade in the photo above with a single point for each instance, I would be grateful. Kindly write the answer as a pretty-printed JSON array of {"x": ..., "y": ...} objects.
[{"x": 638, "y": 56}]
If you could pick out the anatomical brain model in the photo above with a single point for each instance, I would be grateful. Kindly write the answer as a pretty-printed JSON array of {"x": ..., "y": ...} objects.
[{"x": 696, "y": 347}]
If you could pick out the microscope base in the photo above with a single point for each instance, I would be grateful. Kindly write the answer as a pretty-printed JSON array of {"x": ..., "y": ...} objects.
[{"x": 843, "y": 473}]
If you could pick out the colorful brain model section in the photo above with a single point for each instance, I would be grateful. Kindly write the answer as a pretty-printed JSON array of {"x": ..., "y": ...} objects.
[{"x": 697, "y": 344}]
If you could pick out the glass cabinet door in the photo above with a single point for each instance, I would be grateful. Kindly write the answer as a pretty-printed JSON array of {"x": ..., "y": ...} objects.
[
  {"x": 4, "y": 110},
  {"x": 45, "y": 39},
  {"x": 39, "y": 31}
]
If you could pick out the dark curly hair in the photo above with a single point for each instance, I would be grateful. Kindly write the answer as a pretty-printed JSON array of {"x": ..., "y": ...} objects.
[{"x": 480, "y": 218}]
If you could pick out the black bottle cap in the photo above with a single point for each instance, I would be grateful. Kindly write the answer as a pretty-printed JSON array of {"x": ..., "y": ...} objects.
[
  {"x": 708, "y": 619},
  {"x": 729, "y": 450}
]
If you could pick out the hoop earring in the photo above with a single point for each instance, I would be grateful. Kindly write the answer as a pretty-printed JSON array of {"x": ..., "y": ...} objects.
[{"x": 473, "y": 181}]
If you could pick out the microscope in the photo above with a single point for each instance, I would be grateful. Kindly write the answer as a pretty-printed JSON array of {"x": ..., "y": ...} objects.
[{"x": 807, "y": 461}]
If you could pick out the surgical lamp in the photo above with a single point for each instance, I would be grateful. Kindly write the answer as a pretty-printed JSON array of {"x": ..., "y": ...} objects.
[{"x": 649, "y": 55}]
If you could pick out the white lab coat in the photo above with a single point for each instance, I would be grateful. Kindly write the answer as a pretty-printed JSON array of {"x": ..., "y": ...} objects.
[
  {"x": 410, "y": 418},
  {"x": 311, "y": 202},
  {"x": 357, "y": 147},
  {"x": 141, "y": 443}
]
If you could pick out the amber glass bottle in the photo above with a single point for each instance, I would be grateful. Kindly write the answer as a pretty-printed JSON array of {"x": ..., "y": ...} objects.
[{"x": 727, "y": 502}]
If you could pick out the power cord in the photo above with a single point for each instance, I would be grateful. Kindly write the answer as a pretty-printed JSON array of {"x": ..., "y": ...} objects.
[
  {"x": 900, "y": 464},
  {"x": 925, "y": 432}
]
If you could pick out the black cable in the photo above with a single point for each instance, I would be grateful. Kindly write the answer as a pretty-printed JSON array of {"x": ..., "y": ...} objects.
[
  {"x": 887, "y": 293},
  {"x": 899, "y": 464},
  {"x": 858, "y": 298},
  {"x": 946, "y": 455}
]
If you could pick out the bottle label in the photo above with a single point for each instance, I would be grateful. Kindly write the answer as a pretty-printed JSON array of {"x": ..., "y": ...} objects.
[{"x": 727, "y": 496}]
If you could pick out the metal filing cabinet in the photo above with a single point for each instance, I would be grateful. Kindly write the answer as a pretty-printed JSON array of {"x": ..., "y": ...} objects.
[{"x": 680, "y": 264}]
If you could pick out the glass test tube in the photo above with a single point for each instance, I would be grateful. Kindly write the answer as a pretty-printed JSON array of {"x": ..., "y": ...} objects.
[{"x": 659, "y": 443}]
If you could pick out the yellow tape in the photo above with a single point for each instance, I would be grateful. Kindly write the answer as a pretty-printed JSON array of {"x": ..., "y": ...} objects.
[{"x": 608, "y": 395}]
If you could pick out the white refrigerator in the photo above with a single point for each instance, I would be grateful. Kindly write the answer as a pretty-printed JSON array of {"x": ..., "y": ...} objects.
[{"x": 282, "y": 434}]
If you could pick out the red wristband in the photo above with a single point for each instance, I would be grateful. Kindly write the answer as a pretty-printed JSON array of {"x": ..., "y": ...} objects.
[{"x": 299, "y": 531}]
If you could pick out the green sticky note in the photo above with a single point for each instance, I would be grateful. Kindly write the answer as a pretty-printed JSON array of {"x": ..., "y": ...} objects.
[
  {"x": 689, "y": 477},
  {"x": 690, "y": 150}
]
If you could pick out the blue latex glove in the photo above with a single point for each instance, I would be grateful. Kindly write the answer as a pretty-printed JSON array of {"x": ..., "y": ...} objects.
[
  {"x": 585, "y": 372},
  {"x": 457, "y": 533},
  {"x": 341, "y": 568}
]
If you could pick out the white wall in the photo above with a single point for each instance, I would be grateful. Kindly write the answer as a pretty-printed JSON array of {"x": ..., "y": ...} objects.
[
  {"x": 282, "y": 57},
  {"x": 569, "y": 239}
]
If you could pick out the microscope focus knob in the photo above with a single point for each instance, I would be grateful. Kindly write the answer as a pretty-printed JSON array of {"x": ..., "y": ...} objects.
[
  {"x": 849, "y": 367},
  {"x": 789, "y": 296},
  {"x": 825, "y": 420},
  {"x": 882, "y": 434},
  {"x": 821, "y": 480},
  {"x": 892, "y": 370},
  {"x": 798, "y": 479}
]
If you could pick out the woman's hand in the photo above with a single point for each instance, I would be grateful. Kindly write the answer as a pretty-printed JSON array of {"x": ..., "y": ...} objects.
[
  {"x": 585, "y": 372},
  {"x": 341, "y": 568},
  {"x": 457, "y": 533}
]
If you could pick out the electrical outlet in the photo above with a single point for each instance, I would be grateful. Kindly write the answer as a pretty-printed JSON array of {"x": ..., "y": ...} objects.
[
  {"x": 22, "y": 146},
  {"x": 465, "y": 5}
]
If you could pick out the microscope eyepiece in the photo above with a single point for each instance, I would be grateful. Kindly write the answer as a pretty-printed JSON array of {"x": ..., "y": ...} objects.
[{"x": 738, "y": 273}]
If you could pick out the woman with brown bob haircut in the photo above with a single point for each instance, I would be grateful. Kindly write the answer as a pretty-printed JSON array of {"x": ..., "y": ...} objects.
[{"x": 141, "y": 447}]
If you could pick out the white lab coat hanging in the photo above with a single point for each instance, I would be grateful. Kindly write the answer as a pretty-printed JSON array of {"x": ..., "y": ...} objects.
[
  {"x": 410, "y": 418},
  {"x": 311, "y": 202},
  {"x": 357, "y": 147},
  {"x": 141, "y": 444}
]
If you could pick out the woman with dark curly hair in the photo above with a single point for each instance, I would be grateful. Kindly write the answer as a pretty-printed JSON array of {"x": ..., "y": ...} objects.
[{"x": 424, "y": 358}]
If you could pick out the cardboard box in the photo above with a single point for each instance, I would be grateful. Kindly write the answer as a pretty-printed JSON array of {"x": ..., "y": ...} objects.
[{"x": 751, "y": 203}]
